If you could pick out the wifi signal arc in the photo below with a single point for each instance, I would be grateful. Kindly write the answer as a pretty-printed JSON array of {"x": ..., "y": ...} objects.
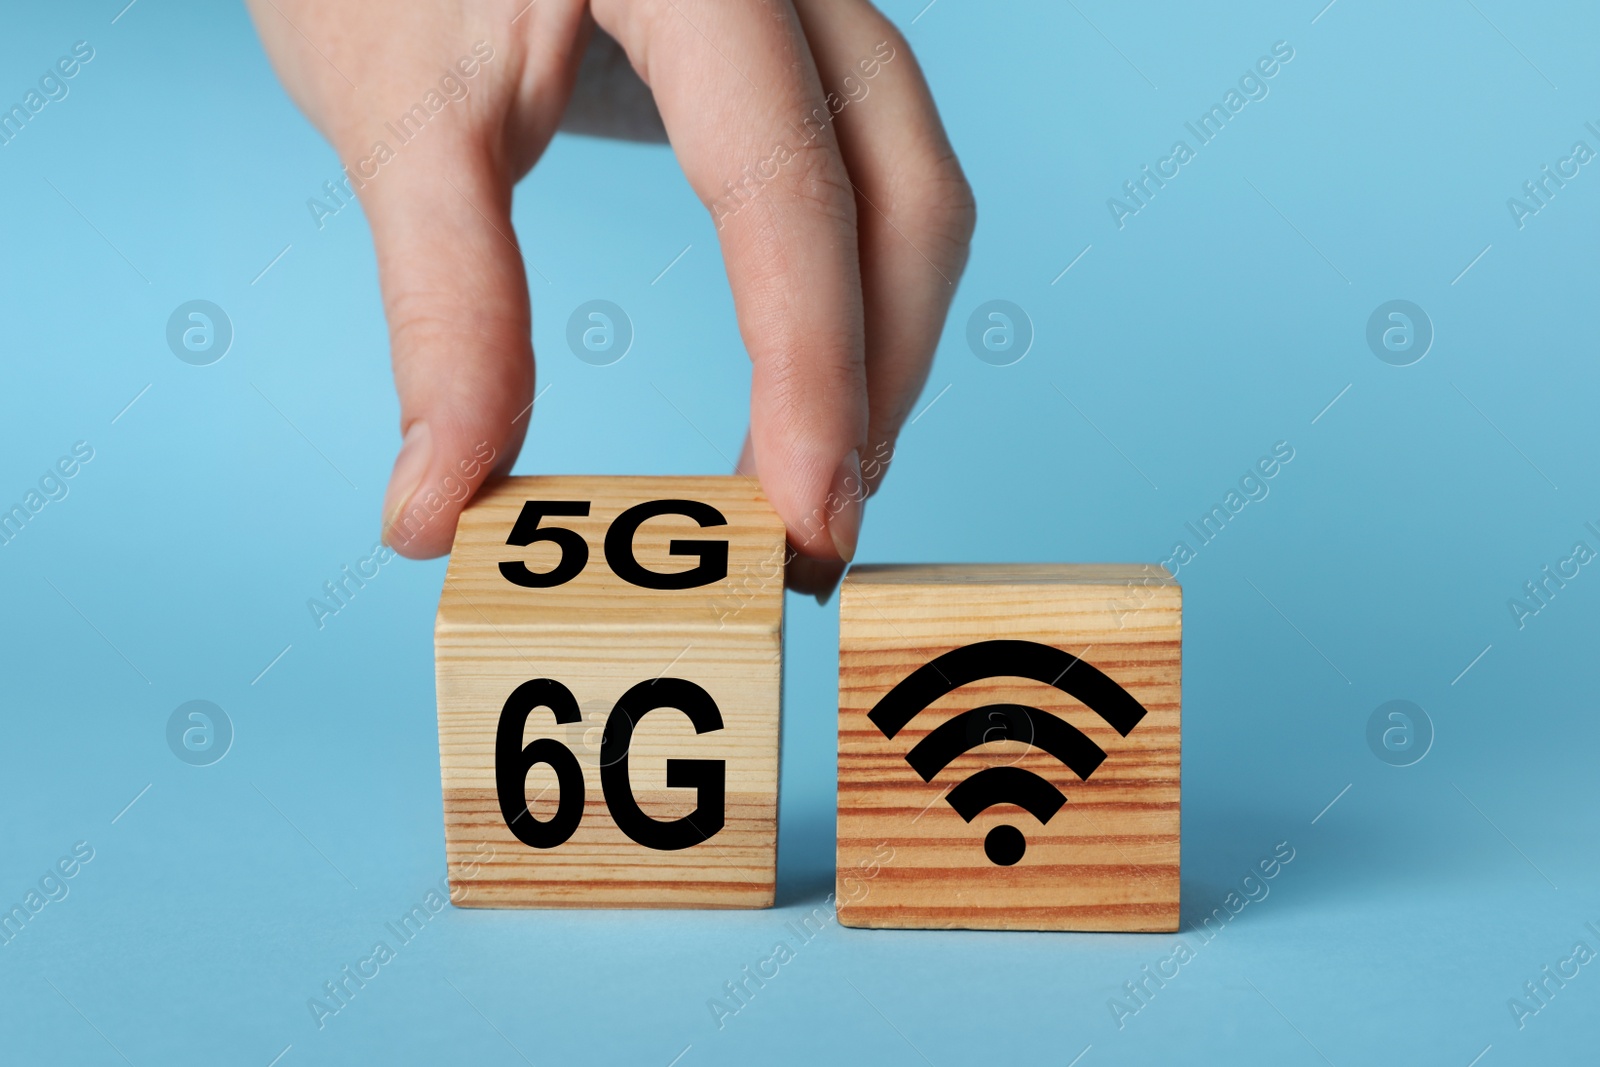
[
  {"x": 1015, "y": 722},
  {"x": 1007, "y": 658},
  {"x": 1006, "y": 785}
]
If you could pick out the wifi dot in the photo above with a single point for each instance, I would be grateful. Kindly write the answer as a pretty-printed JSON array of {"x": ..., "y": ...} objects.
[{"x": 1004, "y": 845}]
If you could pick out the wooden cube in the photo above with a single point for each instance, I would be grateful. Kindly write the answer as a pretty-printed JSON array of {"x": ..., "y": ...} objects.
[
  {"x": 1009, "y": 747},
  {"x": 608, "y": 663}
]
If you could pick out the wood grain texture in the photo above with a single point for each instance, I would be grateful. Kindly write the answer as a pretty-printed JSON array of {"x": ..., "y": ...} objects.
[
  {"x": 476, "y": 595},
  {"x": 1108, "y": 859},
  {"x": 600, "y": 636}
]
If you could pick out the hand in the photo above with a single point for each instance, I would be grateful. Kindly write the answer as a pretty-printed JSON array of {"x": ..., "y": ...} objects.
[{"x": 806, "y": 128}]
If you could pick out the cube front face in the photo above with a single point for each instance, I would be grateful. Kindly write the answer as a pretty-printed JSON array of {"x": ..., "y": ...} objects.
[
  {"x": 1041, "y": 701},
  {"x": 608, "y": 728}
]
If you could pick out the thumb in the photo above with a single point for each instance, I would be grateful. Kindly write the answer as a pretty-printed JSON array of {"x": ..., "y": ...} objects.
[{"x": 456, "y": 298}]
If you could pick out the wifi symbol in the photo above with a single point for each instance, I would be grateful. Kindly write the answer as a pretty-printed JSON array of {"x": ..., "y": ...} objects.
[{"x": 1004, "y": 845}]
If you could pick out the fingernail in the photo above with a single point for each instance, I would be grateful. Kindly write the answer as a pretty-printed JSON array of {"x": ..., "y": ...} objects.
[
  {"x": 416, "y": 454},
  {"x": 844, "y": 506}
]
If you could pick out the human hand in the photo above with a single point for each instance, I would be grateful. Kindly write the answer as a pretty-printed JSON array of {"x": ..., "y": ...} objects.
[{"x": 806, "y": 128}]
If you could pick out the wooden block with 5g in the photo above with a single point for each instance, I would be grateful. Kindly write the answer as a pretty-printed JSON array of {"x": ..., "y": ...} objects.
[
  {"x": 608, "y": 659},
  {"x": 1011, "y": 734}
]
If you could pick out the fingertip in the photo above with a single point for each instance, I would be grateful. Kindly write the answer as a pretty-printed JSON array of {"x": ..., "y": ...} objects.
[
  {"x": 823, "y": 516},
  {"x": 417, "y": 532},
  {"x": 424, "y": 527},
  {"x": 827, "y": 533},
  {"x": 410, "y": 468},
  {"x": 846, "y": 501},
  {"x": 432, "y": 483}
]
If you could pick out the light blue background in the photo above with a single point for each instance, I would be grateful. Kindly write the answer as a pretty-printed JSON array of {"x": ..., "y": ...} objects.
[{"x": 1223, "y": 318}]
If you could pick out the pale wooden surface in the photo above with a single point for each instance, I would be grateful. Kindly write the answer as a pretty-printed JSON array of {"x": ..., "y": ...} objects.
[
  {"x": 476, "y": 594},
  {"x": 1108, "y": 859},
  {"x": 599, "y": 636}
]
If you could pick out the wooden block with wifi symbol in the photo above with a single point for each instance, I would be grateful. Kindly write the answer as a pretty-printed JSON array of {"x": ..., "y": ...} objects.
[{"x": 1009, "y": 743}]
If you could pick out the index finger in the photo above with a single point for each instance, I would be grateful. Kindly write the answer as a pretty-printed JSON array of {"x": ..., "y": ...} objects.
[{"x": 744, "y": 110}]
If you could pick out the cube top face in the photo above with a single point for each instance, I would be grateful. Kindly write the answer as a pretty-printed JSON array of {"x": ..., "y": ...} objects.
[
  {"x": 1025, "y": 574},
  {"x": 628, "y": 553},
  {"x": 1009, "y": 747},
  {"x": 611, "y": 739}
]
